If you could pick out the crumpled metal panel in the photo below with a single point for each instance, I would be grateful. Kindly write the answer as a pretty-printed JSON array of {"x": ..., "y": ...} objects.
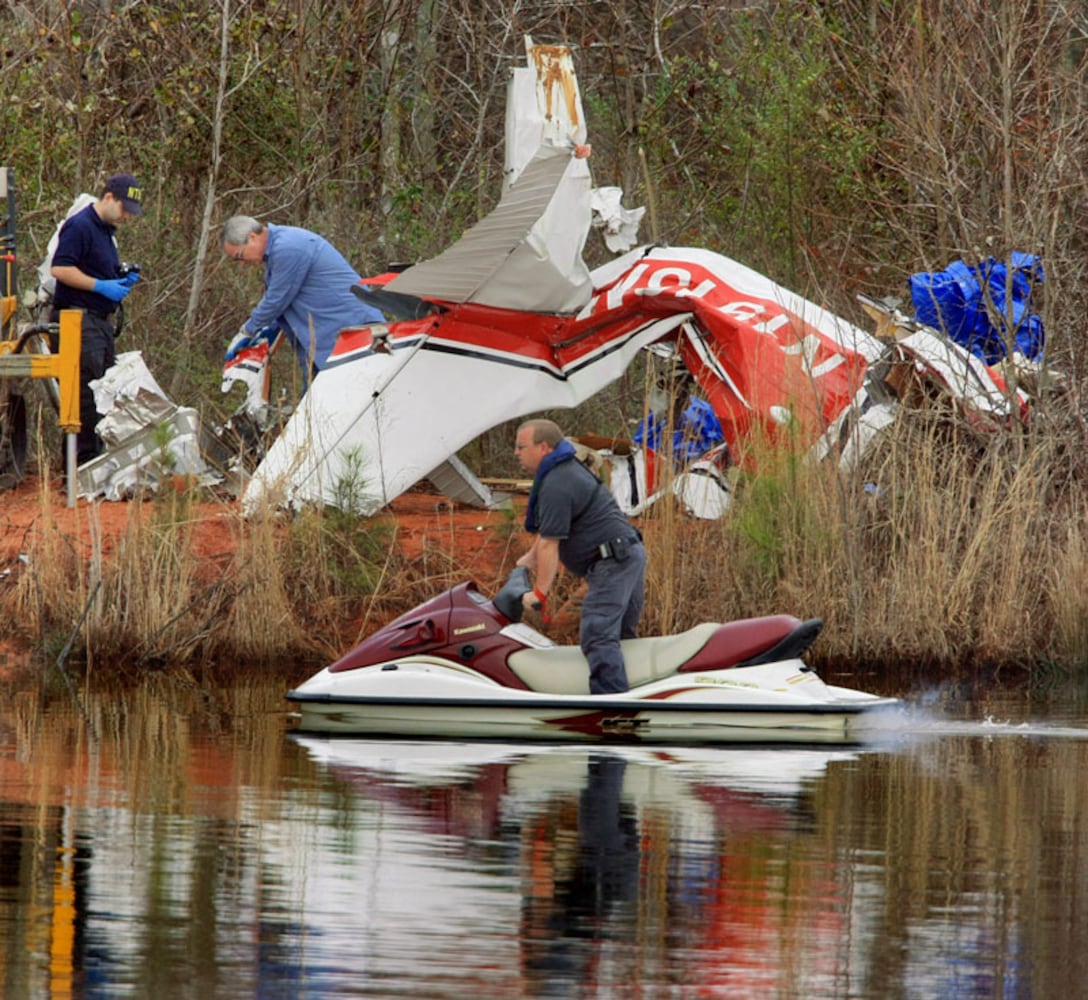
[
  {"x": 504, "y": 260},
  {"x": 527, "y": 253}
]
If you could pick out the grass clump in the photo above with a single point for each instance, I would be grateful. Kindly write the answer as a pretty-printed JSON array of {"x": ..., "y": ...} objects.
[{"x": 950, "y": 549}]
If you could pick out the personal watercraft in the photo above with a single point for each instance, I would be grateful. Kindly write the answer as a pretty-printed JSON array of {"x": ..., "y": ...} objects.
[{"x": 465, "y": 666}]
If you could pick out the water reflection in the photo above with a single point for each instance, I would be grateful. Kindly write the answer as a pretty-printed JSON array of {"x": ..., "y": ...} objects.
[
  {"x": 567, "y": 902},
  {"x": 627, "y": 864},
  {"x": 184, "y": 846}
]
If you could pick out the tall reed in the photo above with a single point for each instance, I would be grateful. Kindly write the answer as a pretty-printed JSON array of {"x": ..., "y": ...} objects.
[
  {"x": 51, "y": 593},
  {"x": 949, "y": 548}
]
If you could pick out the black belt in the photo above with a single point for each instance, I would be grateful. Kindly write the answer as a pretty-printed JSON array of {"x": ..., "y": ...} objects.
[
  {"x": 54, "y": 316},
  {"x": 613, "y": 548}
]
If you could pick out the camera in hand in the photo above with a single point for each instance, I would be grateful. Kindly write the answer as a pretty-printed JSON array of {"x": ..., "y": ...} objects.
[{"x": 127, "y": 268}]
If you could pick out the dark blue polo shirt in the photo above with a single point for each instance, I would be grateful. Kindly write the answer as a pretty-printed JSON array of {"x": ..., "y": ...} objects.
[
  {"x": 86, "y": 242},
  {"x": 575, "y": 508}
]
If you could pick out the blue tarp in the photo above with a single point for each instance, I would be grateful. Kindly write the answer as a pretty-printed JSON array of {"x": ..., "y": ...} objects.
[
  {"x": 955, "y": 301},
  {"x": 697, "y": 431}
]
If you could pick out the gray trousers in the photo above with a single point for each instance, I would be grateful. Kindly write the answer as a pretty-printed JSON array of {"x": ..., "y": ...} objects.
[{"x": 611, "y": 610}]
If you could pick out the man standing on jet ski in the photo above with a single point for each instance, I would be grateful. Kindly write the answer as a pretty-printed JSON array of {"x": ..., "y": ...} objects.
[{"x": 578, "y": 522}]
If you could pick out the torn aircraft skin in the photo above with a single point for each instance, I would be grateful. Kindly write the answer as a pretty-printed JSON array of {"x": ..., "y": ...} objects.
[
  {"x": 395, "y": 401},
  {"x": 508, "y": 322}
]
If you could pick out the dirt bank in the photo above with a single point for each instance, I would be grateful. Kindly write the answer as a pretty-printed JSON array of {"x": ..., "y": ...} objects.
[
  {"x": 422, "y": 520},
  {"x": 429, "y": 530}
]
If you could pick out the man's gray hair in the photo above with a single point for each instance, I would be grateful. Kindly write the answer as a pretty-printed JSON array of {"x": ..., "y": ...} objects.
[{"x": 237, "y": 228}]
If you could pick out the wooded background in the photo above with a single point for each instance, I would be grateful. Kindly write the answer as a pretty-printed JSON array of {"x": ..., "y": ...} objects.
[{"x": 837, "y": 147}]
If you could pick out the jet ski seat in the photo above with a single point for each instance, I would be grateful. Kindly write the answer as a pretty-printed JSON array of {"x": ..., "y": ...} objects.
[{"x": 564, "y": 670}]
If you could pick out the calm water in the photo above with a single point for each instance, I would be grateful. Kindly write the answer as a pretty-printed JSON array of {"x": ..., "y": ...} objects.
[{"x": 172, "y": 844}]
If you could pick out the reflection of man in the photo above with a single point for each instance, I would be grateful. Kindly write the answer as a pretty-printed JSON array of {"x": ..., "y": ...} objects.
[
  {"x": 577, "y": 521},
  {"x": 564, "y": 914},
  {"x": 87, "y": 269},
  {"x": 607, "y": 838}
]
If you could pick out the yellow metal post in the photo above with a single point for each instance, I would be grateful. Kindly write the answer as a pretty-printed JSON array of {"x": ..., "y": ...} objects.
[
  {"x": 64, "y": 367},
  {"x": 8, "y": 303}
]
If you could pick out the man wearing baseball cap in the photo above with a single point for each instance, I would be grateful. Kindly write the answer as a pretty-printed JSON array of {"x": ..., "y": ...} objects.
[
  {"x": 126, "y": 189},
  {"x": 87, "y": 267}
]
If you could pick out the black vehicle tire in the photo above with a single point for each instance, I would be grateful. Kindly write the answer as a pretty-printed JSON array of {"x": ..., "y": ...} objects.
[{"x": 12, "y": 439}]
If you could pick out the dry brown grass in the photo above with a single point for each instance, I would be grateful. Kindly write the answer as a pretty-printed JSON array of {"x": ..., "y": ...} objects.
[
  {"x": 146, "y": 601},
  {"x": 951, "y": 549}
]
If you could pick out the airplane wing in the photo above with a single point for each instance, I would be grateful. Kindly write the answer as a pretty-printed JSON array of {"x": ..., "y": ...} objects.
[
  {"x": 389, "y": 410},
  {"x": 396, "y": 401}
]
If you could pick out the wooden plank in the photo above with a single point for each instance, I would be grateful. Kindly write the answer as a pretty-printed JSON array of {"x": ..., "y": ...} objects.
[{"x": 509, "y": 485}]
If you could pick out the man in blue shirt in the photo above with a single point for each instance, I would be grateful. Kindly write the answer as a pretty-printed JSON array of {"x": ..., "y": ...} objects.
[
  {"x": 87, "y": 268},
  {"x": 307, "y": 289}
]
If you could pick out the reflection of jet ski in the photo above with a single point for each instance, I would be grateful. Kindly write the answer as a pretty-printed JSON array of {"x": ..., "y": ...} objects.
[
  {"x": 463, "y": 666},
  {"x": 779, "y": 772},
  {"x": 752, "y": 788}
]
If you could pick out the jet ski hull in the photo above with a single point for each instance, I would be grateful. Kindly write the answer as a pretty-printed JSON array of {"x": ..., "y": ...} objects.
[{"x": 783, "y": 702}]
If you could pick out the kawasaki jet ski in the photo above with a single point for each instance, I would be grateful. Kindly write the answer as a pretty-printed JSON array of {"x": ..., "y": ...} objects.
[{"x": 463, "y": 665}]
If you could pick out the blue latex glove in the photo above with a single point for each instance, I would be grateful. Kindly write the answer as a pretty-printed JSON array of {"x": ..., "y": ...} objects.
[
  {"x": 131, "y": 278},
  {"x": 114, "y": 289},
  {"x": 242, "y": 339}
]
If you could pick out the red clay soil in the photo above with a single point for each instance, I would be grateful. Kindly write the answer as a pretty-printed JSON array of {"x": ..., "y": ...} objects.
[
  {"x": 479, "y": 540},
  {"x": 422, "y": 519},
  {"x": 481, "y": 544},
  {"x": 31, "y": 505}
]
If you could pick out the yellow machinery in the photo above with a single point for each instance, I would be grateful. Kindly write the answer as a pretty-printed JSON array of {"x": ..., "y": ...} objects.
[{"x": 25, "y": 354}]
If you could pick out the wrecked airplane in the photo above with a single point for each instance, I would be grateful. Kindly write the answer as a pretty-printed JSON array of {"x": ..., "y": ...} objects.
[{"x": 508, "y": 322}]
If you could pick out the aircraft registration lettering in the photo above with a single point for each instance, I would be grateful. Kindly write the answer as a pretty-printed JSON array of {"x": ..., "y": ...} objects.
[
  {"x": 723, "y": 682},
  {"x": 742, "y": 312},
  {"x": 674, "y": 279},
  {"x": 614, "y": 296},
  {"x": 773, "y": 324},
  {"x": 679, "y": 282}
]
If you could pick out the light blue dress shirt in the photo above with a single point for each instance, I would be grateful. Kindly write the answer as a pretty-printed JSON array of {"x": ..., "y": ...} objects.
[{"x": 308, "y": 294}]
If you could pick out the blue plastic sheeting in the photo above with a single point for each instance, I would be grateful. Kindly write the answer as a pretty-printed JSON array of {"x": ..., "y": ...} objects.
[
  {"x": 955, "y": 301},
  {"x": 696, "y": 432}
]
